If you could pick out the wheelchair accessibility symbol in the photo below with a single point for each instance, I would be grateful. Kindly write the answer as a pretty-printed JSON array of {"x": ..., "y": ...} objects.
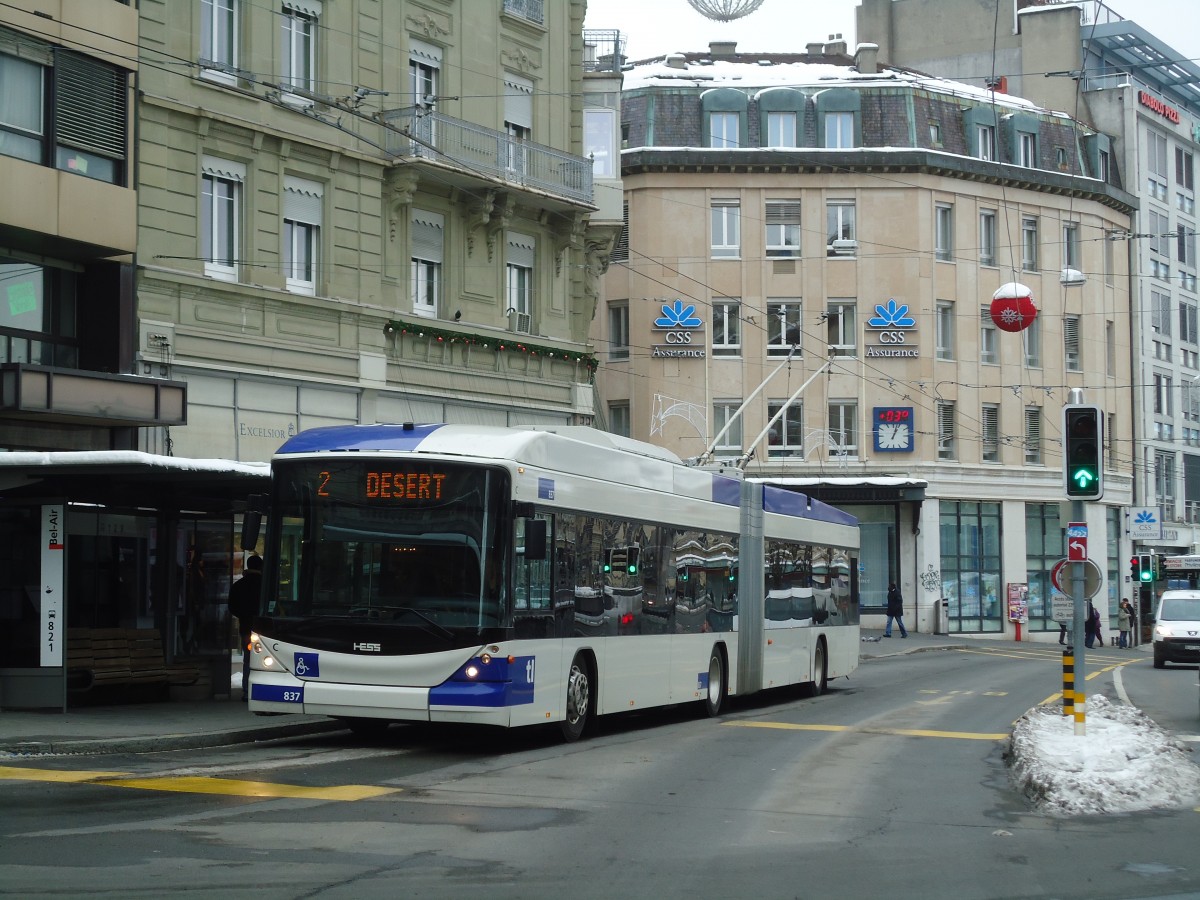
[{"x": 307, "y": 665}]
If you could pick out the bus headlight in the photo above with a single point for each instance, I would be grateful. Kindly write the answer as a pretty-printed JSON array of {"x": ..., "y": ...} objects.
[{"x": 471, "y": 671}]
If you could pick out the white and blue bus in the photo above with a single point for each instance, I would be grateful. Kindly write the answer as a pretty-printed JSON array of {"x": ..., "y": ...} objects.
[{"x": 509, "y": 577}]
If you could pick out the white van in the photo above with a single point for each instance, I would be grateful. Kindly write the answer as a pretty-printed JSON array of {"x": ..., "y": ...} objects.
[{"x": 1177, "y": 628}]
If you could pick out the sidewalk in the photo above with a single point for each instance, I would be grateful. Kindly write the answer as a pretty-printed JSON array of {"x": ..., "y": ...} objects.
[{"x": 184, "y": 725}]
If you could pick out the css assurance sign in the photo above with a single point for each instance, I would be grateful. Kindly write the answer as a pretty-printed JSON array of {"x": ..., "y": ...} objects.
[
  {"x": 892, "y": 327},
  {"x": 678, "y": 326}
]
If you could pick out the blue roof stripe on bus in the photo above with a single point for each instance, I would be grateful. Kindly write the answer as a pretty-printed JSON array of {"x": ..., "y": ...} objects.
[
  {"x": 793, "y": 503},
  {"x": 726, "y": 490},
  {"x": 358, "y": 437}
]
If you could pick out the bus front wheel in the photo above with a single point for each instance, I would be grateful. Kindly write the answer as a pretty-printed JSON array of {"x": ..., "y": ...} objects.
[
  {"x": 714, "y": 698},
  {"x": 820, "y": 672},
  {"x": 579, "y": 699}
]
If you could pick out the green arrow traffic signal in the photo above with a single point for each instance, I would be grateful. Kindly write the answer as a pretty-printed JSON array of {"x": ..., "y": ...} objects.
[{"x": 1083, "y": 478}]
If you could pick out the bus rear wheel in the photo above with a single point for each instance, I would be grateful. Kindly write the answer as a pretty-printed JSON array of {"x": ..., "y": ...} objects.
[
  {"x": 714, "y": 698},
  {"x": 820, "y": 671},
  {"x": 579, "y": 700}
]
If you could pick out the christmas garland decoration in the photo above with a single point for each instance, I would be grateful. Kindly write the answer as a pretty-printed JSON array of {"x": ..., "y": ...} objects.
[{"x": 506, "y": 343}]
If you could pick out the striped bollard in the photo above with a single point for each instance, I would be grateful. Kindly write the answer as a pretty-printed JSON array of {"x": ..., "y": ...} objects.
[{"x": 1068, "y": 691}]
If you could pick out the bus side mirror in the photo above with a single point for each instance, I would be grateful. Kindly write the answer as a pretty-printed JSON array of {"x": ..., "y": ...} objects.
[
  {"x": 252, "y": 520},
  {"x": 535, "y": 539}
]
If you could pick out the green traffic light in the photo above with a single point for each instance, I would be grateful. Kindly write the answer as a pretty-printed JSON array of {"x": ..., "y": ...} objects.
[
  {"x": 1083, "y": 478},
  {"x": 1147, "y": 575}
]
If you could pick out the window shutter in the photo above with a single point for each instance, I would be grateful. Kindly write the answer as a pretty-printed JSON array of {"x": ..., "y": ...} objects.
[
  {"x": 422, "y": 52},
  {"x": 1071, "y": 334},
  {"x": 90, "y": 104},
  {"x": 428, "y": 229},
  {"x": 783, "y": 212},
  {"x": 302, "y": 200},
  {"x": 22, "y": 46},
  {"x": 311, "y": 8},
  {"x": 223, "y": 168},
  {"x": 518, "y": 101},
  {"x": 522, "y": 250}
]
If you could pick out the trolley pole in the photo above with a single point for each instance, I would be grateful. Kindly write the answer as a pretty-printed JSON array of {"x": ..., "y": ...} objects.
[{"x": 1079, "y": 668}]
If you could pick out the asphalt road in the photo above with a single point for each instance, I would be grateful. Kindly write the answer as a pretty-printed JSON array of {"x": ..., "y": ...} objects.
[{"x": 893, "y": 784}]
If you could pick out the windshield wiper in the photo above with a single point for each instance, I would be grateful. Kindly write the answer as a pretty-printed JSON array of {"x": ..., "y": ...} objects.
[{"x": 436, "y": 627}]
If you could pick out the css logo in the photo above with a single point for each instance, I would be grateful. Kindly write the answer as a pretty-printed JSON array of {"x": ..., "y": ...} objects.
[
  {"x": 891, "y": 337},
  {"x": 679, "y": 337}
]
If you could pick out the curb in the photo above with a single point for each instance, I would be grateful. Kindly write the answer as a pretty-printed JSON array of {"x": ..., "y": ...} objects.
[{"x": 201, "y": 741}]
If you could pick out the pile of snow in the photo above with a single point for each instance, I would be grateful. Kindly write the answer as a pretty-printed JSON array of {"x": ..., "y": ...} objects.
[{"x": 1123, "y": 763}]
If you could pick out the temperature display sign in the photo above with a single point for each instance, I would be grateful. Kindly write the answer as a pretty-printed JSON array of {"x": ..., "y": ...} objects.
[{"x": 893, "y": 429}]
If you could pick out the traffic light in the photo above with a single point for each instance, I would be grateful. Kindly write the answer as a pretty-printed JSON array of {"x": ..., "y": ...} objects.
[
  {"x": 1135, "y": 568},
  {"x": 1146, "y": 567},
  {"x": 631, "y": 565},
  {"x": 1083, "y": 451}
]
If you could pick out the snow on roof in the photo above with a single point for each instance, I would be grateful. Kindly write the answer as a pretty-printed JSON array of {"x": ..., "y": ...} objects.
[
  {"x": 98, "y": 458},
  {"x": 755, "y": 72}
]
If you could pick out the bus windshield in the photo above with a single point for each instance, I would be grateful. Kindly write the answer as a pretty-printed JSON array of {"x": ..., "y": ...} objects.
[{"x": 390, "y": 540}]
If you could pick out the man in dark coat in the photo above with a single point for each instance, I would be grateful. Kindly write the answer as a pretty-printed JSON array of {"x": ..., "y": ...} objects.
[
  {"x": 895, "y": 610},
  {"x": 243, "y": 603}
]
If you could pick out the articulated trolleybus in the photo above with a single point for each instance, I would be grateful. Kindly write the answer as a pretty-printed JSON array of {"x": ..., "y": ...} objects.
[{"x": 505, "y": 576}]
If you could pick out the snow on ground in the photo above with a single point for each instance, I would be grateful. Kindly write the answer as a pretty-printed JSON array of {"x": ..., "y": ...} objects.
[{"x": 1123, "y": 763}]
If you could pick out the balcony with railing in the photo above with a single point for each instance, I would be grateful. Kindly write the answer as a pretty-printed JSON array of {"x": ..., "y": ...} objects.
[
  {"x": 531, "y": 10},
  {"x": 420, "y": 133},
  {"x": 603, "y": 50}
]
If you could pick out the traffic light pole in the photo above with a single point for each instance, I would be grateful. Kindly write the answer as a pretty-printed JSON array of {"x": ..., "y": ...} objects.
[{"x": 1079, "y": 606}]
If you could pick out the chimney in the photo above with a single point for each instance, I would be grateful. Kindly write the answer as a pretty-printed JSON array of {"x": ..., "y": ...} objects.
[
  {"x": 814, "y": 49},
  {"x": 676, "y": 60},
  {"x": 722, "y": 48},
  {"x": 836, "y": 46},
  {"x": 866, "y": 59}
]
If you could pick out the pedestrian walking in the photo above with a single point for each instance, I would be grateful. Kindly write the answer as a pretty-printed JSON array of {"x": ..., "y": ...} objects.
[
  {"x": 895, "y": 610},
  {"x": 1091, "y": 627},
  {"x": 243, "y": 603},
  {"x": 1124, "y": 622},
  {"x": 1062, "y": 632}
]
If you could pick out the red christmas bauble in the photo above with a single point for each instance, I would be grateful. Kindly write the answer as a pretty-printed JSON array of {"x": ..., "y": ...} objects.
[{"x": 1013, "y": 308}]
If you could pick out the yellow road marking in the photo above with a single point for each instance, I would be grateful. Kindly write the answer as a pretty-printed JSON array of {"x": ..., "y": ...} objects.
[
  {"x": 17, "y": 773},
  {"x": 235, "y": 788},
  {"x": 225, "y": 786},
  {"x": 901, "y": 732}
]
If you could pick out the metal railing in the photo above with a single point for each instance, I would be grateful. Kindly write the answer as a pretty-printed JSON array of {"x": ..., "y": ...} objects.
[
  {"x": 526, "y": 9},
  {"x": 603, "y": 51},
  {"x": 418, "y": 132}
]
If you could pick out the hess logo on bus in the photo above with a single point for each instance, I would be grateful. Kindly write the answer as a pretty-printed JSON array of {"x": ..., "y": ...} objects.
[{"x": 363, "y": 647}]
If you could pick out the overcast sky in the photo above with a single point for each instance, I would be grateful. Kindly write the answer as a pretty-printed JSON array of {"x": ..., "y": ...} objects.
[{"x": 654, "y": 27}]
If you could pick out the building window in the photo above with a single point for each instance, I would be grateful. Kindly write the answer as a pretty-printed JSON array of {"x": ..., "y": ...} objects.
[
  {"x": 945, "y": 329},
  {"x": 1032, "y": 343},
  {"x": 1160, "y": 313},
  {"x": 945, "y": 424},
  {"x": 1071, "y": 255},
  {"x": 618, "y": 419},
  {"x": 37, "y": 317},
  {"x": 943, "y": 243},
  {"x": 723, "y": 414},
  {"x": 218, "y": 39},
  {"x": 839, "y": 316},
  {"x": 986, "y": 137},
  {"x": 301, "y": 233},
  {"x": 620, "y": 251},
  {"x": 723, "y": 129},
  {"x": 839, "y": 227},
  {"x": 783, "y": 228},
  {"x": 518, "y": 119},
  {"x": 1029, "y": 244},
  {"x": 726, "y": 328},
  {"x": 971, "y": 539},
  {"x": 726, "y": 229},
  {"x": 1043, "y": 548},
  {"x": 1160, "y": 226},
  {"x": 428, "y": 237},
  {"x": 1027, "y": 150},
  {"x": 786, "y": 437},
  {"x": 781, "y": 129},
  {"x": 1071, "y": 344},
  {"x": 839, "y": 130},
  {"x": 530, "y": 10},
  {"x": 1163, "y": 404},
  {"x": 988, "y": 337},
  {"x": 783, "y": 327},
  {"x": 519, "y": 262},
  {"x": 1102, "y": 165},
  {"x": 1188, "y": 323},
  {"x": 843, "y": 428},
  {"x": 220, "y": 211},
  {"x": 1185, "y": 245},
  {"x": 424, "y": 70},
  {"x": 989, "y": 422},
  {"x": 1183, "y": 169},
  {"x": 1164, "y": 482},
  {"x": 1110, "y": 348},
  {"x": 1033, "y": 435},
  {"x": 600, "y": 141},
  {"x": 987, "y": 237},
  {"x": 618, "y": 330},
  {"x": 300, "y": 44},
  {"x": 22, "y": 131},
  {"x": 935, "y": 134},
  {"x": 1060, "y": 157}
]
